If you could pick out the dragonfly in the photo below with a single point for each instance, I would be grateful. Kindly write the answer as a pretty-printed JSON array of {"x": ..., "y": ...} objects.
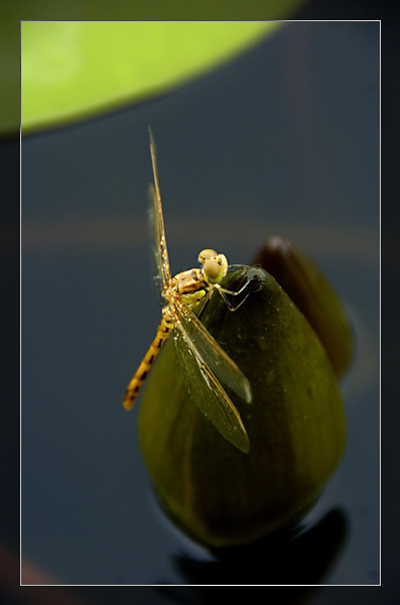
[{"x": 204, "y": 364}]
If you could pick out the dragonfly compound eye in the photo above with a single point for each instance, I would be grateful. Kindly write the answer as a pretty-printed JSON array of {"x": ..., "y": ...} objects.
[
  {"x": 205, "y": 255},
  {"x": 214, "y": 269}
]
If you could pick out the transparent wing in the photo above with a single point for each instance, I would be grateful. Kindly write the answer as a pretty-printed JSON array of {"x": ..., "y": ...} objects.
[
  {"x": 207, "y": 393},
  {"x": 224, "y": 368},
  {"x": 162, "y": 270}
]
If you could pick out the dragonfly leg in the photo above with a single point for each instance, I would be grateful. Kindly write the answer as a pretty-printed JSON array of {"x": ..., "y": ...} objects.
[
  {"x": 203, "y": 302},
  {"x": 224, "y": 291}
]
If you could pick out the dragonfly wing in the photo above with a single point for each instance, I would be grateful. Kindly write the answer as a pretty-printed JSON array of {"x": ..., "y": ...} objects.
[
  {"x": 156, "y": 220},
  {"x": 207, "y": 393},
  {"x": 224, "y": 368}
]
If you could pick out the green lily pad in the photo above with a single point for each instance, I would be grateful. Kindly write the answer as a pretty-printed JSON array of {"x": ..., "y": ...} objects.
[{"x": 74, "y": 69}]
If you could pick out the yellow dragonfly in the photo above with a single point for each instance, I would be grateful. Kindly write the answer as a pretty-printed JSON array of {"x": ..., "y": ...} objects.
[{"x": 204, "y": 364}]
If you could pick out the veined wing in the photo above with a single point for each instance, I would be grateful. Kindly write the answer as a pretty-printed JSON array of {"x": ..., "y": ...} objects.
[
  {"x": 224, "y": 368},
  {"x": 163, "y": 273},
  {"x": 207, "y": 393}
]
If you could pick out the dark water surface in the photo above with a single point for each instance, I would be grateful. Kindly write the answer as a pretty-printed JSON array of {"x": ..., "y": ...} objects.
[{"x": 284, "y": 140}]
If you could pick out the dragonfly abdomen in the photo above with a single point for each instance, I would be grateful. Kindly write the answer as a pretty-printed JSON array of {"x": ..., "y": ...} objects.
[{"x": 163, "y": 332}]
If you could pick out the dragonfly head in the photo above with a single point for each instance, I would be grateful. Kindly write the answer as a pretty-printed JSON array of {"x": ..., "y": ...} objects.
[{"x": 215, "y": 266}]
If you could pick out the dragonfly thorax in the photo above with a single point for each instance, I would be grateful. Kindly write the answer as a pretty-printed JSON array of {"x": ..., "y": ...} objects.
[{"x": 190, "y": 286}]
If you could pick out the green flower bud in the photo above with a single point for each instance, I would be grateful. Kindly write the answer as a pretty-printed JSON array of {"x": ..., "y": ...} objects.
[
  {"x": 313, "y": 295},
  {"x": 217, "y": 494}
]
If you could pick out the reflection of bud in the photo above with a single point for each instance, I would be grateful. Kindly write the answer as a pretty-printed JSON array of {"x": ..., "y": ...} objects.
[{"x": 296, "y": 424}]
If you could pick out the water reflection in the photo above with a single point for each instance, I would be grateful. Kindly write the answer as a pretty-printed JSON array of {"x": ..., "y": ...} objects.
[{"x": 302, "y": 558}]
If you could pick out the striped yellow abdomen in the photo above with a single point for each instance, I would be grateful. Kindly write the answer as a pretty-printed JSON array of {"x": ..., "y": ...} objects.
[{"x": 163, "y": 332}]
